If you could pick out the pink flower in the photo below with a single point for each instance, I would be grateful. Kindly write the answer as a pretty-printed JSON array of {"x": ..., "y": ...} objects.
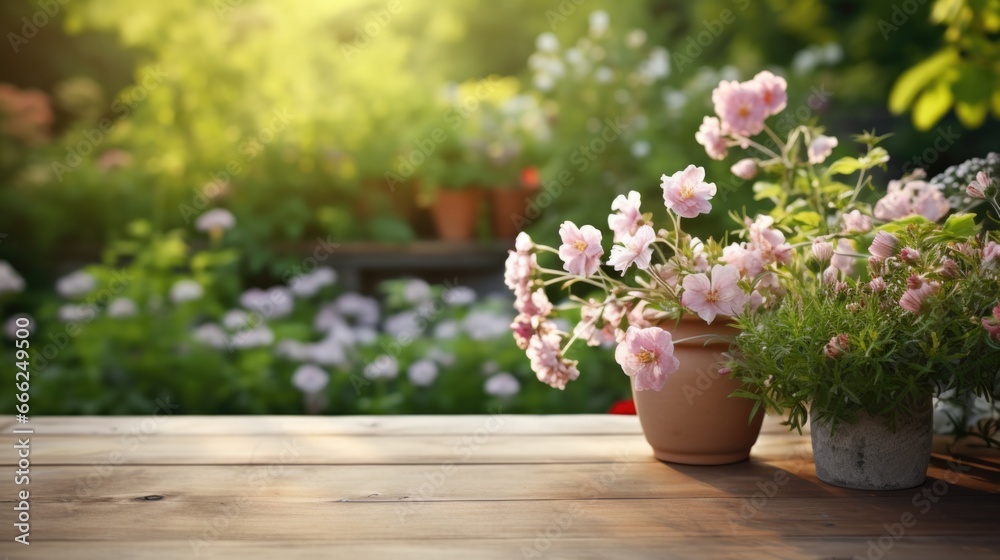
[
  {"x": 768, "y": 241},
  {"x": 520, "y": 266},
  {"x": 741, "y": 107},
  {"x": 992, "y": 324},
  {"x": 884, "y": 245},
  {"x": 910, "y": 255},
  {"x": 831, "y": 275},
  {"x": 856, "y": 222},
  {"x": 587, "y": 329},
  {"x": 523, "y": 243},
  {"x": 581, "y": 249},
  {"x": 523, "y": 329},
  {"x": 710, "y": 135},
  {"x": 909, "y": 198},
  {"x": 647, "y": 356},
  {"x": 687, "y": 193},
  {"x": 991, "y": 255},
  {"x": 877, "y": 284},
  {"x": 745, "y": 169},
  {"x": 820, "y": 148},
  {"x": 634, "y": 250},
  {"x": 773, "y": 91},
  {"x": 836, "y": 347},
  {"x": 544, "y": 353},
  {"x": 535, "y": 304},
  {"x": 747, "y": 260},
  {"x": 720, "y": 295},
  {"x": 627, "y": 217},
  {"x": 919, "y": 290},
  {"x": 822, "y": 250},
  {"x": 842, "y": 259},
  {"x": 979, "y": 187}
]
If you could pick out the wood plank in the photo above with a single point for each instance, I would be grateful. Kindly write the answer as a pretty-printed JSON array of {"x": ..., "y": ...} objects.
[
  {"x": 562, "y": 547},
  {"x": 242, "y": 517},
  {"x": 414, "y": 484},
  {"x": 345, "y": 450},
  {"x": 521, "y": 424}
]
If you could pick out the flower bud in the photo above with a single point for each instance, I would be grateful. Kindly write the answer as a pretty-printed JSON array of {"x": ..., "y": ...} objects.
[
  {"x": 745, "y": 168},
  {"x": 822, "y": 250}
]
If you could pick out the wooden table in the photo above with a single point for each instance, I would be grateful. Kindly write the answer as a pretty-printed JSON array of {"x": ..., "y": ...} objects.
[{"x": 464, "y": 487}]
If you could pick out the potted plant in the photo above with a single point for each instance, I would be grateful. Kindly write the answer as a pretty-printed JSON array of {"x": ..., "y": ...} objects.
[
  {"x": 450, "y": 182},
  {"x": 862, "y": 357},
  {"x": 667, "y": 277}
]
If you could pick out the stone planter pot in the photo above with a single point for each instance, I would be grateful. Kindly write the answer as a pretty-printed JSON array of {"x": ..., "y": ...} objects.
[
  {"x": 866, "y": 455},
  {"x": 508, "y": 207},
  {"x": 455, "y": 213},
  {"x": 693, "y": 420}
]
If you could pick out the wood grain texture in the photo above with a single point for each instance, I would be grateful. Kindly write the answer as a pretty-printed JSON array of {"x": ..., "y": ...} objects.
[{"x": 467, "y": 487}]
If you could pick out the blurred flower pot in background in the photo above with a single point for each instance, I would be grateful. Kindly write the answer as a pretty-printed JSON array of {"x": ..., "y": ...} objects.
[{"x": 455, "y": 213}]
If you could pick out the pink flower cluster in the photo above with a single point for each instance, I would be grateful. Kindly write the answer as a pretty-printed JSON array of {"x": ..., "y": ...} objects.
[
  {"x": 719, "y": 294},
  {"x": 918, "y": 290},
  {"x": 741, "y": 109},
  {"x": 911, "y": 196},
  {"x": 532, "y": 329},
  {"x": 992, "y": 324},
  {"x": 687, "y": 193},
  {"x": 837, "y": 346}
]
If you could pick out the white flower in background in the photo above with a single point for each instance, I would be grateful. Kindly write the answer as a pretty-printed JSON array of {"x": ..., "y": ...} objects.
[
  {"x": 310, "y": 379},
  {"x": 365, "y": 336},
  {"x": 635, "y": 38},
  {"x": 253, "y": 338},
  {"x": 490, "y": 367},
  {"x": 640, "y": 149},
  {"x": 10, "y": 327},
  {"x": 76, "y": 284},
  {"x": 328, "y": 352},
  {"x": 820, "y": 148},
  {"x": 77, "y": 313},
  {"x": 446, "y": 330},
  {"x": 459, "y": 295},
  {"x": 657, "y": 66},
  {"x": 308, "y": 285},
  {"x": 384, "y": 367},
  {"x": 441, "y": 357},
  {"x": 216, "y": 220},
  {"x": 547, "y": 43},
  {"x": 292, "y": 350},
  {"x": 502, "y": 385},
  {"x": 403, "y": 325},
  {"x": 604, "y": 75},
  {"x": 416, "y": 291},
  {"x": 486, "y": 325},
  {"x": 186, "y": 290},
  {"x": 10, "y": 280},
  {"x": 122, "y": 307},
  {"x": 364, "y": 310},
  {"x": 422, "y": 373},
  {"x": 598, "y": 21},
  {"x": 211, "y": 335},
  {"x": 274, "y": 303},
  {"x": 675, "y": 100},
  {"x": 543, "y": 81},
  {"x": 575, "y": 57},
  {"x": 235, "y": 319}
]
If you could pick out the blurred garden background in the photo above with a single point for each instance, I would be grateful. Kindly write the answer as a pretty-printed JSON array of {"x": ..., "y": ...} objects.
[{"x": 256, "y": 206}]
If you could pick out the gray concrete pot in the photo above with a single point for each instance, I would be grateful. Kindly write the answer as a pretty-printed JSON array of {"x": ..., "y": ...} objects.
[{"x": 866, "y": 455}]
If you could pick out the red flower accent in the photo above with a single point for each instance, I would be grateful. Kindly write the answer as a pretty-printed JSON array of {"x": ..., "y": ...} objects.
[
  {"x": 623, "y": 407},
  {"x": 530, "y": 178}
]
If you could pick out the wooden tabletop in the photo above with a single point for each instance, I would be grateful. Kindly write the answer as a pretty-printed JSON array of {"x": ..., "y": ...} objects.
[{"x": 464, "y": 487}]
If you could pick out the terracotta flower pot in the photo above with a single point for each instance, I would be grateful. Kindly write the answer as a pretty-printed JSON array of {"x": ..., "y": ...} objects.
[
  {"x": 455, "y": 213},
  {"x": 867, "y": 455},
  {"x": 693, "y": 420},
  {"x": 508, "y": 206}
]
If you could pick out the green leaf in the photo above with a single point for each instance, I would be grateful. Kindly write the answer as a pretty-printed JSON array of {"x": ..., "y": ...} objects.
[
  {"x": 917, "y": 78},
  {"x": 844, "y": 166},
  {"x": 764, "y": 190},
  {"x": 903, "y": 223},
  {"x": 807, "y": 218},
  {"x": 932, "y": 105},
  {"x": 971, "y": 115},
  {"x": 960, "y": 225}
]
